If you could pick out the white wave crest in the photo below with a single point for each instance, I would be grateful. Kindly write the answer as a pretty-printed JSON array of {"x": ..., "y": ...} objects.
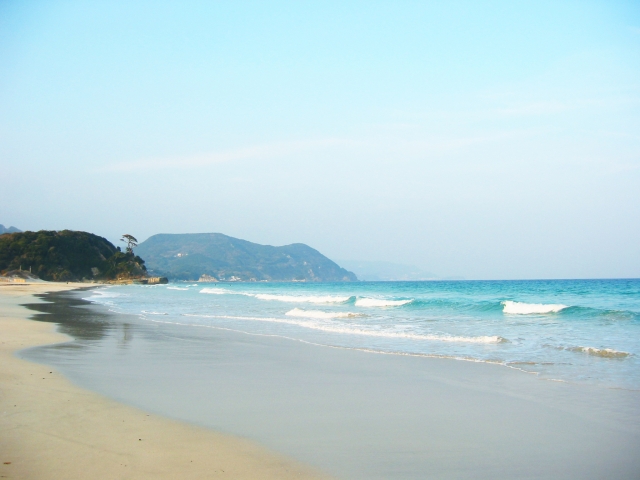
[
  {"x": 154, "y": 313},
  {"x": 302, "y": 299},
  {"x": 296, "y": 312},
  {"x": 361, "y": 330},
  {"x": 520, "y": 308},
  {"x": 281, "y": 298},
  {"x": 102, "y": 296},
  {"x": 376, "y": 302},
  {"x": 216, "y": 291},
  {"x": 600, "y": 352},
  {"x": 176, "y": 288},
  {"x": 104, "y": 293}
]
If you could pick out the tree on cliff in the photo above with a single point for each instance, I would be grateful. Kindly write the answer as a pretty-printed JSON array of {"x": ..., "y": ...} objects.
[{"x": 131, "y": 242}]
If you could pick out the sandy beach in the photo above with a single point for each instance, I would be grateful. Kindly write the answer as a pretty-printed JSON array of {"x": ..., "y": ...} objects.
[{"x": 52, "y": 429}]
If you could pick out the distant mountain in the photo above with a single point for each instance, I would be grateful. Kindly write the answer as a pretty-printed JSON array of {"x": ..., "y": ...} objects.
[
  {"x": 67, "y": 256},
  {"x": 189, "y": 256},
  {"x": 4, "y": 230},
  {"x": 386, "y": 271}
]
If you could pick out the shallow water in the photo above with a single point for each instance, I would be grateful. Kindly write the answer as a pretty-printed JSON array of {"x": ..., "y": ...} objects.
[{"x": 571, "y": 330}]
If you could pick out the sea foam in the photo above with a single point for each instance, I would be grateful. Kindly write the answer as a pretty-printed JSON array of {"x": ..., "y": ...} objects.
[
  {"x": 302, "y": 299},
  {"x": 297, "y": 312},
  {"x": 520, "y": 308},
  {"x": 216, "y": 291},
  {"x": 600, "y": 352},
  {"x": 360, "y": 330},
  {"x": 281, "y": 298}
]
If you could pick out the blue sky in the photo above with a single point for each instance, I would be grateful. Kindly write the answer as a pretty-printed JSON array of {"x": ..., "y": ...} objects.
[{"x": 475, "y": 139}]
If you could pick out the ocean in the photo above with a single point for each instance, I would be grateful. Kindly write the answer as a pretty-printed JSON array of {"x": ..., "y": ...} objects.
[
  {"x": 461, "y": 379},
  {"x": 581, "y": 331}
]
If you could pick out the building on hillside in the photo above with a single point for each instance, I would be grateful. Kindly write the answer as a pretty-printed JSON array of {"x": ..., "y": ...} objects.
[{"x": 204, "y": 278}]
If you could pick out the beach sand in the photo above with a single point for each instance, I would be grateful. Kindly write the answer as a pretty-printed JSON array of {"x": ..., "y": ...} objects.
[{"x": 52, "y": 429}]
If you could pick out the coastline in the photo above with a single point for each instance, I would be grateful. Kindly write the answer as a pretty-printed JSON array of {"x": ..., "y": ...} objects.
[
  {"x": 52, "y": 428},
  {"x": 350, "y": 413}
]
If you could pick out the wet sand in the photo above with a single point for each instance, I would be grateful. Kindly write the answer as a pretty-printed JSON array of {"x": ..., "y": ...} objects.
[
  {"x": 353, "y": 414},
  {"x": 52, "y": 429}
]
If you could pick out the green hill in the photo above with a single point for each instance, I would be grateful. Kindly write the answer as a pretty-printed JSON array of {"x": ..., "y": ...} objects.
[
  {"x": 67, "y": 256},
  {"x": 188, "y": 256}
]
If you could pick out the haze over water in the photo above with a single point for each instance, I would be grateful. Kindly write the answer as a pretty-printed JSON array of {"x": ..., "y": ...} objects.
[{"x": 569, "y": 330}]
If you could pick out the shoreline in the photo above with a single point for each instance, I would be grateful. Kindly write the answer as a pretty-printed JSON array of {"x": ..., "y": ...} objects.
[
  {"x": 52, "y": 428},
  {"x": 347, "y": 412}
]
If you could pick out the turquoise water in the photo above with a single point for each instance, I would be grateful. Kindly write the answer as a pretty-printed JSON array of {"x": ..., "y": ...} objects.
[{"x": 566, "y": 330}]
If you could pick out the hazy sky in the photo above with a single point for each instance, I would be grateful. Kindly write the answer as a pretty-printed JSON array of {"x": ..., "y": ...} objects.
[{"x": 475, "y": 139}]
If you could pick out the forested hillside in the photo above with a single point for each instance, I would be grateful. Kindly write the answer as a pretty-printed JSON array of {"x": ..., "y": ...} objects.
[
  {"x": 67, "y": 256},
  {"x": 188, "y": 256}
]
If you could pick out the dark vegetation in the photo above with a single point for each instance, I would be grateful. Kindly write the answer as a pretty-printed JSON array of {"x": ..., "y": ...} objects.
[
  {"x": 68, "y": 256},
  {"x": 188, "y": 256}
]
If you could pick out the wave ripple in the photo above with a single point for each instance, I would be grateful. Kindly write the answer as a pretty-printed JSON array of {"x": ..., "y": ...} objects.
[
  {"x": 297, "y": 312},
  {"x": 376, "y": 302}
]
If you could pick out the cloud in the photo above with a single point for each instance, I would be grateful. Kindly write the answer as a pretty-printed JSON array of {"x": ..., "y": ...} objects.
[
  {"x": 384, "y": 142},
  {"x": 263, "y": 151},
  {"x": 443, "y": 133}
]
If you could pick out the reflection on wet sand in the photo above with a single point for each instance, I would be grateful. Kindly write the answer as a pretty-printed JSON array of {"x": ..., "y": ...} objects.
[
  {"x": 125, "y": 335},
  {"x": 76, "y": 319}
]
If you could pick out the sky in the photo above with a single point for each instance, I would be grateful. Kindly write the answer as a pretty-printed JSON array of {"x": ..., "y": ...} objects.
[{"x": 484, "y": 140}]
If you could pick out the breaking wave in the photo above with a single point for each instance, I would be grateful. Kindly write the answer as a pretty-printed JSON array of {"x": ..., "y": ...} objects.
[
  {"x": 301, "y": 299},
  {"x": 296, "y": 312},
  {"x": 154, "y": 313},
  {"x": 282, "y": 298},
  {"x": 217, "y": 291},
  {"x": 176, "y": 288},
  {"x": 361, "y": 330},
  {"x": 376, "y": 302},
  {"x": 600, "y": 352},
  {"x": 520, "y": 308}
]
